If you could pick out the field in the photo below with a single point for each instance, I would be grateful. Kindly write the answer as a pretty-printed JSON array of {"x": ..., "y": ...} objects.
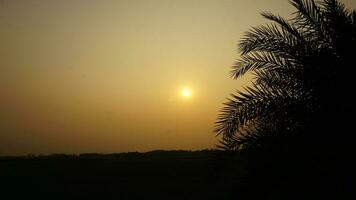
[
  {"x": 206, "y": 174},
  {"x": 153, "y": 175}
]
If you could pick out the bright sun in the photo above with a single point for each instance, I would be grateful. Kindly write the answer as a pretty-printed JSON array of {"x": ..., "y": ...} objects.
[{"x": 186, "y": 92}]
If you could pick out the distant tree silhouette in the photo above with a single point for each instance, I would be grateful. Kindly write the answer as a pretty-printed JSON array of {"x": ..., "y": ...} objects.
[{"x": 303, "y": 86}]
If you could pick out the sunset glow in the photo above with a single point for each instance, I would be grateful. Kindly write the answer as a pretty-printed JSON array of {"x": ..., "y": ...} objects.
[{"x": 119, "y": 75}]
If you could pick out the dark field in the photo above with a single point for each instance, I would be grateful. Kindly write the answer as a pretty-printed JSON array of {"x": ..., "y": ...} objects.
[
  {"x": 152, "y": 175},
  {"x": 206, "y": 174}
]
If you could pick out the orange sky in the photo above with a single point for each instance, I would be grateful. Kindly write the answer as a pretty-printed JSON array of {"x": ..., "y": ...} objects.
[{"x": 106, "y": 76}]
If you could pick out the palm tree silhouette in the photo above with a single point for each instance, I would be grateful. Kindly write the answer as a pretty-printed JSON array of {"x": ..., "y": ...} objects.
[{"x": 303, "y": 79}]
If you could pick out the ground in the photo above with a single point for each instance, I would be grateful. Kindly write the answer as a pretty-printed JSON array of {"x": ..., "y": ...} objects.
[{"x": 152, "y": 175}]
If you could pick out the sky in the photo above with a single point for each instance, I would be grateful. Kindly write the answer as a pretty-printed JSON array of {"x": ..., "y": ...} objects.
[{"x": 107, "y": 76}]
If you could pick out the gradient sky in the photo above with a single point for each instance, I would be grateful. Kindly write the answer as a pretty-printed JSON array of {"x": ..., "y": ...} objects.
[{"x": 105, "y": 76}]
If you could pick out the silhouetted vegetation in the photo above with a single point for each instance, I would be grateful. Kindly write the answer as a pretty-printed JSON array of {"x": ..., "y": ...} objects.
[{"x": 294, "y": 123}]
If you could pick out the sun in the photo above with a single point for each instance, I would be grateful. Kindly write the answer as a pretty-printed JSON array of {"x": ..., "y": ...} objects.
[{"x": 186, "y": 92}]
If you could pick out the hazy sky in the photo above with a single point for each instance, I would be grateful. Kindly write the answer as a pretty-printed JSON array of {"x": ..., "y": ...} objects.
[{"x": 106, "y": 76}]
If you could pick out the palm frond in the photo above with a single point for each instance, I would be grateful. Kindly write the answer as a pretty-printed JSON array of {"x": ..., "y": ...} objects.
[
  {"x": 269, "y": 38},
  {"x": 258, "y": 60},
  {"x": 310, "y": 19},
  {"x": 284, "y": 24},
  {"x": 282, "y": 78},
  {"x": 258, "y": 101}
]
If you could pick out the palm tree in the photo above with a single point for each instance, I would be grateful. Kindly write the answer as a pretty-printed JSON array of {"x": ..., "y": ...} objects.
[{"x": 303, "y": 80}]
